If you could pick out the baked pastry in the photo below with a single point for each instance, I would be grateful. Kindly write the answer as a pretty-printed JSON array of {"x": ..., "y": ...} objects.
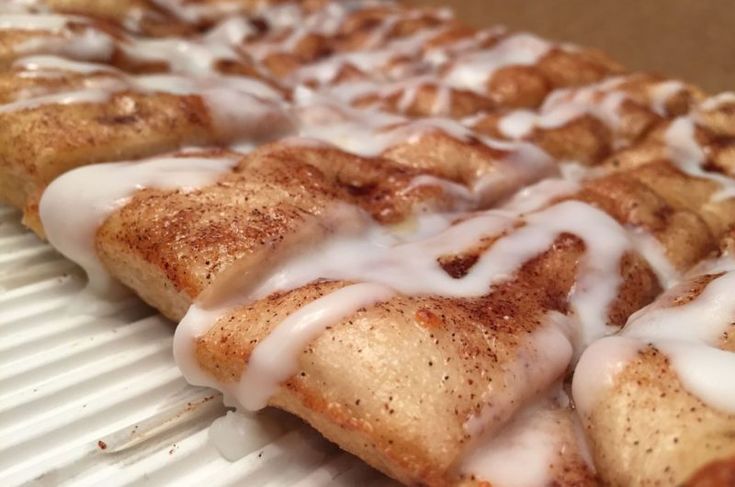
[{"x": 401, "y": 229}]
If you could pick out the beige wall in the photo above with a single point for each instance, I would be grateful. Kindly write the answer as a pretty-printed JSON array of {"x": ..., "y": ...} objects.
[{"x": 690, "y": 39}]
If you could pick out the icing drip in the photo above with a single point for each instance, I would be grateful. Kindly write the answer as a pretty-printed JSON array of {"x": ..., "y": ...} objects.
[
  {"x": 182, "y": 56},
  {"x": 92, "y": 193},
  {"x": 237, "y": 434},
  {"x": 439, "y": 55},
  {"x": 689, "y": 335}
]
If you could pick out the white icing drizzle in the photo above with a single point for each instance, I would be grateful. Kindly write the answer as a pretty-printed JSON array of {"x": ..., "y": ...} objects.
[
  {"x": 47, "y": 65},
  {"x": 346, "y": 128},
  {"x": 196, "y": 56},
  {"x": 465, "y": 198},
  {"x": 22, "y": 7},
  {"x": 688, "y": 334},
  {"x": 95, "y": 91},
  {"x": 378, "y": 257},
  {"x": 688, "y": 155},
  {"x": 662, "y": 92},
  {"x": 237, "y": 105},
  {"x": 367, "y": 60},
  {"x": 472, "y": 71},
  {"x": 440, "y": 55},
  {"x": 182, "y": 56},
  {"x": 599, "y": 276},
  {"x": 47, "y": 22},
  {"x": 275, "y": 358},
  {"x": 53, "y": 36},
  {"x": 597, "y": 368},
  {"x": 655, "y": 254},
  {"x": 200, "y": 11},
  {"x": 715, "y": 102},
  {"x": 600, "y": 100},
  {"x": 92, "y": 193},
  {"x": 325, "y": 22},
  {"x": 238, "y": 433},
  {"x": 536, "y": 196},
  {"x": 540, "y": 361},
  {"x": 522, "y": 453}
]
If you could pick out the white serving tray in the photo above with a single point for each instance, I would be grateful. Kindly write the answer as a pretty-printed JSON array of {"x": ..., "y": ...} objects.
[{"x": 69, "y": 381}]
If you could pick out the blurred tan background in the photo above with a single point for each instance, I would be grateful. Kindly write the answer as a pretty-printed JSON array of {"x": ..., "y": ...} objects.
[{"x": 690, "y": 39}]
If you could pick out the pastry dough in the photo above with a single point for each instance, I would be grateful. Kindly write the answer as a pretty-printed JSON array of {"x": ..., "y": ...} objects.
[{"x": 408, "y": 232}]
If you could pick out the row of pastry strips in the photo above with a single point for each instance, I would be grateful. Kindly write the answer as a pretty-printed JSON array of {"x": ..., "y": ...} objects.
[
  {"x": 461, "y": 57},
  {"x": 375, "y": 256},
  {"x": 199, "y": 56},
  {"x": 114, "y": 80},
  {"x": 323, "y": 132},
  {"x": 88, "y": 42},
  {"x": 115, "y": 184},
  {"x": 361, "y": 132},
  {"x": 605, "y": 240},
  {"x": 471, "y": 69},
  {"x": 378, "y": 248},
  {"x": 279, "y": 15},
  {"x": 317, "y": 116},
  {"x": 236, "y": 104},
  {"x": 337, "y": 124},
  {"x": 194, "y": 55},
  {"x": 384, "y": 265},
  {"x": 602, "y": 100},
  {"x": 325, "y": 71}
]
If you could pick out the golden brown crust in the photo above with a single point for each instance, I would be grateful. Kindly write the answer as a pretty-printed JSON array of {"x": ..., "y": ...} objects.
[
  {"x": 38, "y": 144},
  {"x": 169, "y": 246}
]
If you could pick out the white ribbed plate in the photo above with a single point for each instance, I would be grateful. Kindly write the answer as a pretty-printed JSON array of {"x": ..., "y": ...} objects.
[{"x": 71, "y": 383}]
